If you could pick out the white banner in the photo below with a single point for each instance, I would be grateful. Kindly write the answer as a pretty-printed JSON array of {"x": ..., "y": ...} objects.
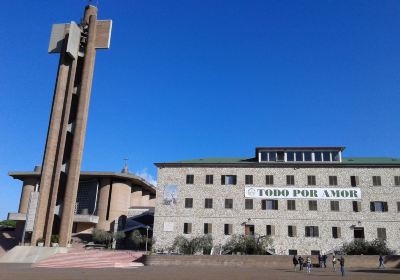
[{"x": 303, "y": 193}]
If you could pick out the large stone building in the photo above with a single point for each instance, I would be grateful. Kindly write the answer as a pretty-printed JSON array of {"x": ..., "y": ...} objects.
[
  {"x": 105, "y": 200},
  {"x": 310, "y": 200}
]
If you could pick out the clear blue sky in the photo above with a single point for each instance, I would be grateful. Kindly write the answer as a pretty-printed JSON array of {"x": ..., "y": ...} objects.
[{"x": 187, "y": 79}]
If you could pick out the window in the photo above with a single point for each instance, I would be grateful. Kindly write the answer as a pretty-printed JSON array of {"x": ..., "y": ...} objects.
[
  {"x": 307, "y": 156},
  {"x": 312, "y": 231},
  {"x": 291, "y": 205},
  {"x": 315, "y": 252},
  {"x": 208, "y": 203},
  {"x": 290, "y": 180},
  {"x": 209, "y": 179},
  {"x": 187, "y": 228},
  {"x": 292, "y": 252},
  {"x": 272, "y": 156},
  {"x": 292, "y": 231},
  {"x": 248, "y": 179},
  {"x": 356, "y": 206},
  {"x": 376, "y": 180},
  {"x": 335, "y": 156},
  {"x": 248, "y": 204},
  {"x": 228, "y": 203},
  {"x": 317, "y": 156},
  {"x": 354, "y": 181},
  {"x": 332, "y": 180},
  {"x": 336, "y": 232},
  {"x": 379, "y": 206},
  {"x": 327, "y": 156},
  {"x": 270, "y": 230},
  {"x": 381, "y": 233},
  {"x": 207, "y": 228},
  {"x": 311, "y": 180},
  {"x": 397, "y": 180},
  {"x": 228, "y": 180},
  {"x": 269, "y": 179},
  {"x": 312, "y": 205},
  {"x": 290, "y": 156},
  {"x": 264, "y": 156},
  {"x": 269, "y": 204},
  {"x": 228, "y": 229},
  {"x": 398, "y": 206},
  {"x": 299, "y": 156},
  {"x": 280, "y": 156},
  {"x": 189, "y": 179},
  {"x": 188, "y": 202},
  {"x": 335, "y": 206}
]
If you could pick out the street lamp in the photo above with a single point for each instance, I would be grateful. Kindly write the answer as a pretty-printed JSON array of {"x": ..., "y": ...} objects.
[{"x": 147, "y": 236}]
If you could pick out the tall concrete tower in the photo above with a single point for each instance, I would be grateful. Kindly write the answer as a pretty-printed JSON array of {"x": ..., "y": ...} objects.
[{"x": 77, "y": 44}]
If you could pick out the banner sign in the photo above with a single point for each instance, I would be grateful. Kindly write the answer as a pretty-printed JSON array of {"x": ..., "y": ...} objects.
[{"x": 303, "y": 193}]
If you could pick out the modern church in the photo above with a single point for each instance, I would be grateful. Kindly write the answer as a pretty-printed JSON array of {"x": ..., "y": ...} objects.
[{"x": 309, "y": 200}]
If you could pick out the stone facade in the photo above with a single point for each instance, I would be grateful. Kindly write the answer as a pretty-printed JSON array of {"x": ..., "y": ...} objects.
[{"x": 174, "y": 216}]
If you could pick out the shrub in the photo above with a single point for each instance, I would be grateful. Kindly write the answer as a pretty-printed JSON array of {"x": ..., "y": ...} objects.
[
  {"x": 200, "y": 244},
  {"x": 104, "y": 237},
  {"x": 362, "y": 247},
  {"x": 248, "y": 244},
  {"x": 8, "y": 223},
  {"x": 54, "y": 238},
  {"x": 137, "y": 238}
]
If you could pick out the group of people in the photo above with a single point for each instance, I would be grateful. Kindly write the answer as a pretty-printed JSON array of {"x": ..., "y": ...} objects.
[{"x": 301, "y": 262}]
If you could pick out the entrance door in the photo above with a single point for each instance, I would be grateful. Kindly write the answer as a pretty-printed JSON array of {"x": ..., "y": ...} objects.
[
  {"x": 359, "y": 233},
  {"x": 249, "y": 230}
]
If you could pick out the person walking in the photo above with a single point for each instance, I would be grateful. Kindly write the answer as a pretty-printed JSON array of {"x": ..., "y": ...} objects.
[
  {"x": 308, "y": 265},
  {"x": 301, "y": 262},
  {"x": 324, "y": 258},
  {"x": 295, "y": 262},
  {"x": 320, "y": 260},
  {"x": 341, "y": 261},
  {"x": 381, "y": 259},
  {"x": 334, "y": 263}
]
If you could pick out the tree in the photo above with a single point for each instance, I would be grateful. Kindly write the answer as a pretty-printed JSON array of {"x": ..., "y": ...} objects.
[
  {"x": 200, "y": 244},
  {"x": 248, "y": 244},
  {"x": 362, "y": 247},
  {"x": 104, "y": 237},
  {"x": 137, "y": 238}
]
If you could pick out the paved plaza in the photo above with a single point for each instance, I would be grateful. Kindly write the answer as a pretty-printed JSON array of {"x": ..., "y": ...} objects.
[{"x": 23, "y": 271}]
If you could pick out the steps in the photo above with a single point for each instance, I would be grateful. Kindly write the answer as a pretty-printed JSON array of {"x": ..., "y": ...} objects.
[{"x": 80, "y": 258}]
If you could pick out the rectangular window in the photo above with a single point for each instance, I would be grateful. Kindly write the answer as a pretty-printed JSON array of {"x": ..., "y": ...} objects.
[
  {"x": 292, "y": 252},
  {"x": 208, "y": 203},
  {"x": 381, "y": 233},
  {"x": 336, "y": 232},
  {"x": 291, "y": 205},
  {"x": 354, "y": 181},
  {"x": 209, "y": 179},
  {"x": 228, "y": 203},
  {"x": 228, "y": 229},
  {"x": 290, "y": 156},
  {"x": 311, "y": 180},
  {"x": 188, "y": 202},
  {"x": 299, "y": 156},
  {"x": 272, "y": 156},
  {"x": 378, "y": 206},
  {"x": 317, "y": 156},
  {"x": 190, "y": 179},
  {"x": 248, "y": 204},
  {"x": 315, "y": 252},
  {"x": 248, "y": 179},
  {"x": 397, "y": 180},
  {"x": 269, "y": 179},
  {"x": 376, "y": 180},
  {"x": 398, "y": 206},
  {"x": 335, "y": 206},
  {"x": 327, "y": 156},
  {"x": 228, "y": 179},
  {"x": 332, "y": 180},
  {"x": 207, "y": 228},
  {"x": 356, "y": 206},
  {"x": 264, "y": 156},
  {"x": 187, "y": 228},
  {"x": 290, "y": 180},
  {"x": 292, "y": 231},
  {"x": 280, "y": 156},
  {"x": 270, "y": 230},
  {"x": 307, "y": 156},
  {"x": 269, "y": 204},
  {"x": 312, "y": 205},
  {"x": 311, "y": 231}
]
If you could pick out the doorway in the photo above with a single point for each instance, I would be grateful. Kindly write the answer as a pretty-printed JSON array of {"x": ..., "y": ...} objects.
[{"x": 249, "y": 229}]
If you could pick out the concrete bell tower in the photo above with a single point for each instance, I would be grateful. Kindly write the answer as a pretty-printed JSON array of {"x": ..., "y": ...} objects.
[{"x": 76, "y": 44}]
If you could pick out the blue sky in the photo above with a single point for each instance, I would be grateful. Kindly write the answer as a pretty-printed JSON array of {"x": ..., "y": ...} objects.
[{"x": 187, "y": 79}]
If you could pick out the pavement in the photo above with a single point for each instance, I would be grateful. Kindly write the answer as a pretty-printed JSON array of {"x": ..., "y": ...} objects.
[{"x": 26, "y": 272}]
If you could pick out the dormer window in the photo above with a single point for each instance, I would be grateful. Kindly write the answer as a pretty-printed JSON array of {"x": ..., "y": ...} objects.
[{"x": 319, "y": 155}]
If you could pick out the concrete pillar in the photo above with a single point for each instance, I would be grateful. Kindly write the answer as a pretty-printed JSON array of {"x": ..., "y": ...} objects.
[
  {"x": 102, "y": 205},
  {"x": 136, "y": 196},
  {"x": 28, "y": 187},
  {"x": 120, "y": 200}
]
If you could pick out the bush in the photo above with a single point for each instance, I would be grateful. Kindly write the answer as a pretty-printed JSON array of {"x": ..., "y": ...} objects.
[
  {"x": 54, "y": 238},
  {"x": 104, "y": 237},
  {"x": 137, "y": 238},
  {"x": 362, "y": 247},
  {"x": 248, "y": 244},
  {"x": 200, "y": 244},
  {"x": 8, "y": 223}
]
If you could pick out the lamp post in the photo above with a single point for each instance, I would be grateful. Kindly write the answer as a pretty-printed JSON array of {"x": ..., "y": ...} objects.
[{"x": 147, "y": 236}]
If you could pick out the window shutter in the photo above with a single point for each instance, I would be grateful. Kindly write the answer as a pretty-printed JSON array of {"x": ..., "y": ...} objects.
[
  {"x": 385, "y": 206},
  {"x": 339, "y": 232},
  {"x": 272, "y": 230},
  {"x": 294, "y": 231}
]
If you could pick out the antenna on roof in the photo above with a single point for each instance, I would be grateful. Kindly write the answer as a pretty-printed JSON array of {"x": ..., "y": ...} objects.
[{"x": 125, "y": 169}]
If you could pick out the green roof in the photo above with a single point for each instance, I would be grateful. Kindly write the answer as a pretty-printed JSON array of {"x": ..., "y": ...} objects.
[{"x": 345, "y": 160}]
